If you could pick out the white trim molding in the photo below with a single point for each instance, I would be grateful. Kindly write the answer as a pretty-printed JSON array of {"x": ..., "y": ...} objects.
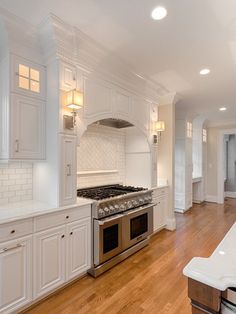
[
  {"x": 230, "y": 194},
  {"x": 211, "y": 198},
  {"x": 170, "y": 224}
]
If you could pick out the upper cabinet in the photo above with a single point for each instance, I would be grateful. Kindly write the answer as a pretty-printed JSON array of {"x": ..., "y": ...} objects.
[
  {"x": 27, "y": 78},
  {"x": 27, "y": 128},
  {"x": 22, "y": 109}
]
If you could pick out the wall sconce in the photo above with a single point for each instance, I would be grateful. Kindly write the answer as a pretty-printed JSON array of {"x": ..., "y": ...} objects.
[
  {"x": 72, "y": 99},
  {"x": 159, "y": 127}
]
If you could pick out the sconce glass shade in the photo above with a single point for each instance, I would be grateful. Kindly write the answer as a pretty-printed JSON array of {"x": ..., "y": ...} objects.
[
  {"x": 160, "y": 126},
  {"x": 73, "y": 99}
]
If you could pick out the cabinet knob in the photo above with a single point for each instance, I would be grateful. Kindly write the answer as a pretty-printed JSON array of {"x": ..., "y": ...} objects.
[
  {"x": 13, "y": 231},
  {"x": 67, "y": 217},
  {"x": 63, "y": 236},
  {"x": 71, "y": 233}
]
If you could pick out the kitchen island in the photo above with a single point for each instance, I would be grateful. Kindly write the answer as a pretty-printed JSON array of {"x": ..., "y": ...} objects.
[{"x": 209, "y": 279}]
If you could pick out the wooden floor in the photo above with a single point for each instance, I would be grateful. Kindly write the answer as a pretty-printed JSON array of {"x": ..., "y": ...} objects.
[{"x": 150, "y": 281}]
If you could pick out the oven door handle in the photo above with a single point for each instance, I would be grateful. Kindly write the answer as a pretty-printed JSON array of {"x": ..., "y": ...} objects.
[
  {"x": 139, "y": 209},
  {"x": 103, "y": 222}
]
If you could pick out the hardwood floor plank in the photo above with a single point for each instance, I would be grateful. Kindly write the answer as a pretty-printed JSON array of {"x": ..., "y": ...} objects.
[{"x": 150, "y": 281}]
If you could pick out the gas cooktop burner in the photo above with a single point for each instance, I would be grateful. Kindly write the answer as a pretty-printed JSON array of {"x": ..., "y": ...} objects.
[{"x": 107, "y": 191}]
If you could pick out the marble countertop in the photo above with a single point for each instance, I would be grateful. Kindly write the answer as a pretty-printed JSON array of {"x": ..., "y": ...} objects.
[
  {"x": 22, "y": 210},
  {"x": 161, "y": 183},
  {"x": 219, "y": 270}
]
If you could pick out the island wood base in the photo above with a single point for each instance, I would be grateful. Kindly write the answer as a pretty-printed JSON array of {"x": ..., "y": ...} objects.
[{"x": 204, "y": 299}]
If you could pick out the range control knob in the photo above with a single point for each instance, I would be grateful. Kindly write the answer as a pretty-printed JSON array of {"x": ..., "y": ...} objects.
[
  {"x": 122, "y": 207},
  {"x": 106, "y": 210},
  {"x": 135, "y": 203},
  {"x": 129, "y": 204},
  {"x": 117, "y": 207},
  {"x": 111, "y": 209},
  {"x": 101, "y": 212},
  {"x": 141, "y": 201}
]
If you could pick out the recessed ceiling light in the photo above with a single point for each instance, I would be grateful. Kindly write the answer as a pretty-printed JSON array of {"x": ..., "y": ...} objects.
[
  {"x": 222, "y": 108},
  {"x": 204, "y": 71},
  {"x": 159, "y": 13}
]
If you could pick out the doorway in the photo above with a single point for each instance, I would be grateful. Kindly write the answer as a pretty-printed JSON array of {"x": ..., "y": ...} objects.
[{"x": 226, "y": 163}]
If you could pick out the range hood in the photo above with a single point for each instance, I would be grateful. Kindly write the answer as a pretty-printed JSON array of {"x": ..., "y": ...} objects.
[{"x": 114, "y": 123}]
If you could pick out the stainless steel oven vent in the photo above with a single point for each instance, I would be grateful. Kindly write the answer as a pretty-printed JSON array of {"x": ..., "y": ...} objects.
[{"x": 114, "y": 123}]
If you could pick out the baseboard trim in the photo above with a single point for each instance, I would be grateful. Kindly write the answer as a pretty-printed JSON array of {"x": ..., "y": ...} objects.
[
  {"x": 181, "y": 211},
  {"x": 211, "y": 199},
  {"x": 170, "y": 224},
  {"x": 230, "y": 194}
]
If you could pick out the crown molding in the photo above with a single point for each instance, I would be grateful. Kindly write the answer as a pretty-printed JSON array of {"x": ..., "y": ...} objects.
[{"x": 66, "y": 42}]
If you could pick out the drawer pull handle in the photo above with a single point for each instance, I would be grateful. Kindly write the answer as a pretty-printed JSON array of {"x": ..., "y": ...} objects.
[
  {"x": 68, "y": 171},
  {"x": 63, "y": 236},
  {"x": 16, "y": 146},
  {"x": 67, "y": 217},
  {"x": 71, "y": 233},
  {"x": 11, "y": 248},
  {"x": 13, "y": 231}
]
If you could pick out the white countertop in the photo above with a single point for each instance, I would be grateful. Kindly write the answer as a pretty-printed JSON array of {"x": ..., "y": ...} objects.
[
  {"x": 21, "y": 210},
  {"x": 219, "y": 270}
]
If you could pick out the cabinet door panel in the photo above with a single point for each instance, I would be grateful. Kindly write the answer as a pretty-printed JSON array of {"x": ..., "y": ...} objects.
[
  {"x": 27, "y": 128},
  {"x": 159, "y": 213},
  {"x": 79, "y": 247},
  {"x": 67, "y": 76},
  {"x": 68, "y": 170},
  {"x": 49, "y": 260},
  {"x": 15, "y": 274}
]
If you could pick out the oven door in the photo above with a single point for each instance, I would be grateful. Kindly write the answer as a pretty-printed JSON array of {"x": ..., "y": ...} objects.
[
  {"x": 137, "y": 225},
  {"x": 107, "y": 238}
]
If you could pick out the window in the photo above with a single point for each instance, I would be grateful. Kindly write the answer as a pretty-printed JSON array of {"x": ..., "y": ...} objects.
[
  {"x": 204, "y": 135},
  {"x": 189, "y": 130},
  {"x": 29, "y": 78}
]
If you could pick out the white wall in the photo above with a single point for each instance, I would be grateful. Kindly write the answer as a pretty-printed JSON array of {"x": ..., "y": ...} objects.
[{"x": 16, "y": 182}]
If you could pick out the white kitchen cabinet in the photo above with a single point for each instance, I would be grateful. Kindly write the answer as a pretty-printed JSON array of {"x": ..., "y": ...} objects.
[
  {"x": 78, "y": 247},
  {"x": 49, "y": 260},
  {"x": 27, "y": 78},
  {"x": 160, "y": 198},
  {"x": 22, "y": 109},
  {"x": 68, "y": 166},
  {"x": 67, "y": 76},
  {"x": 159, "y": 214},
  {"x": 15, "y": 274},
  {"x": 27, "y": 125}
]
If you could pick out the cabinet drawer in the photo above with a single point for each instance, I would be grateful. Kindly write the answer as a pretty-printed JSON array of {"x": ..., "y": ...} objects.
[
  {"x": 61, "y": 217},
  {"x": 159, "y": 192},
  {"x": 15, "y": 230}
]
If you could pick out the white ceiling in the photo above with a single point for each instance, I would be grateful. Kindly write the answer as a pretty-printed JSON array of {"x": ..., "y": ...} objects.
[{"x": 196, "y": 34}]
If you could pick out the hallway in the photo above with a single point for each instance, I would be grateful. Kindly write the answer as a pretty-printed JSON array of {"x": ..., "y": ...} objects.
[{"x": 150, "y": 281}]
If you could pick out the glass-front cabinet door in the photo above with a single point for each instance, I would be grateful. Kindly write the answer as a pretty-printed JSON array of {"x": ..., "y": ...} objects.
[{"x": 28, "y": 78}]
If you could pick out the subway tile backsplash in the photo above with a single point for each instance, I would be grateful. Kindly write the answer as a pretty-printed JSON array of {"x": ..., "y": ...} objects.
[
  {"x": 16, "y": 182},
  {"x": 101, "y": 156}
]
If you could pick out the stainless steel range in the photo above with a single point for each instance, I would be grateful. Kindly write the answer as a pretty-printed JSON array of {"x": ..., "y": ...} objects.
[{"x": 122, "y": 223}]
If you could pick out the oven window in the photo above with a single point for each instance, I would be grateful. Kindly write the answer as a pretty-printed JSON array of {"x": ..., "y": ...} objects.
[
  {"x": 110, "y": 238},
  {"x": 138, "y": 226}
]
